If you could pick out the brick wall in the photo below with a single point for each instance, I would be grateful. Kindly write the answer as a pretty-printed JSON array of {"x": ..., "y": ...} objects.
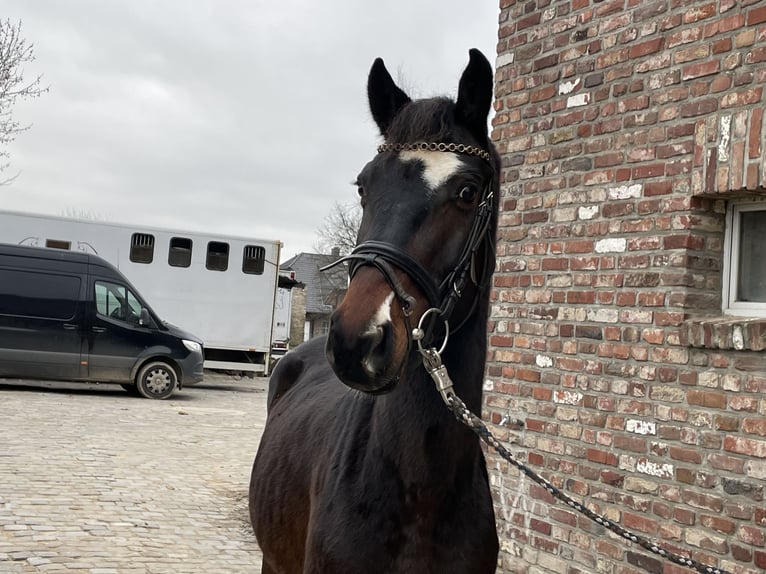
[{"x": 624, "y": 128}]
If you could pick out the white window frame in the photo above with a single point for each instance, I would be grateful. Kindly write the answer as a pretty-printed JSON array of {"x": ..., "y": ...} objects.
[{"x": 731, "y": 260}]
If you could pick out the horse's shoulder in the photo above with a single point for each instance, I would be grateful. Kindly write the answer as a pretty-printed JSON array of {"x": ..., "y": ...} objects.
[{"x": 293, "y": 367}]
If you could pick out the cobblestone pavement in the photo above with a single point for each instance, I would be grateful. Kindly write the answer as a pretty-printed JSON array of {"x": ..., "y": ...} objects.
[{"x": 93, "y": 480}]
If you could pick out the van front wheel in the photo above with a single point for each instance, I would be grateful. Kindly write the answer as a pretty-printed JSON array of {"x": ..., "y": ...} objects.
[{"x": 156, "y": 380}]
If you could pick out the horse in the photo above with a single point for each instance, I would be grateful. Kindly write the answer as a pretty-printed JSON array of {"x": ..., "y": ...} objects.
[{"x": 361, "y": 467}]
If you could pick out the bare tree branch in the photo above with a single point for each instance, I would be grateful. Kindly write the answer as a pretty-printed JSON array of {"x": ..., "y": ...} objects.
[
  {"x": 14, "y": 53},
  {"x": 340, "y": 228}
]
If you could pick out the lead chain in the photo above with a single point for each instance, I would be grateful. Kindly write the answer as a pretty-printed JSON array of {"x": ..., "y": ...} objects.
[{"x": 433, "y": 364}]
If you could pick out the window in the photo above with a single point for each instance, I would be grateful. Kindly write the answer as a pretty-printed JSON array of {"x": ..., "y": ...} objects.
[
  {"x": 142, "y": 248},
  {"x": 744, "y": 285},
  {"x": 217, "y": 256},
  {"x": 117, "y": 302},
  {"x": 58, "y": 244},
  {"x": 253, "y": 259},
  {"x": 180, "y": 252},
  {"x": 33, "y": 294}
]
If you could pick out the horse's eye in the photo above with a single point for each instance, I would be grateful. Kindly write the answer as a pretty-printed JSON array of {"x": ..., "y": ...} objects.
[
  {"x": 467, "y": 194},
  {"x": 360, "y": 190}
]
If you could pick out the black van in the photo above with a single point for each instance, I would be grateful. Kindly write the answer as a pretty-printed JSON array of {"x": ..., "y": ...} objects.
[{"x": 72, "y": 316}]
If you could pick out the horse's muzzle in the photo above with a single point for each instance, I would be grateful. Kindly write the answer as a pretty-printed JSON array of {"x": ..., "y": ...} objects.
[{"x": 362, "y": 361}]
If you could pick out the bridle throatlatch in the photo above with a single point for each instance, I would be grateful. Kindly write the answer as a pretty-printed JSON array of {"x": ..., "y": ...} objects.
[{"x": 442, "y": 299}]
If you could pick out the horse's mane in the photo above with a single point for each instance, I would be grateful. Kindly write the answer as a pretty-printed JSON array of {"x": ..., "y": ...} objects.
[{"x": 426, "y": 120}]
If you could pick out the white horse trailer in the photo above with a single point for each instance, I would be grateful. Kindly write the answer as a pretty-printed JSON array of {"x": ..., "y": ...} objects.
[{"x": 221, "y": 288}]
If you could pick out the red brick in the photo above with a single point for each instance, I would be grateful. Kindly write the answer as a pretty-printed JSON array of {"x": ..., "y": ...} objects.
[
  {"x": 751, "y": 535},
  {"x": 651, "y": 170},
  {"x": 531, "y": 20},
  {"x": 646, "y": 48},
  {"x": 710, "y": 399},
  {"x": 694, "y": 52},
  {"x": 754, "y": 426},
  {"x": 652, "y": 188},
  {"x": 741, "y": 445},
  {"x": 640, "y": 523},
  {"x": 723, "y": 25},
  {"x": 702, "y": 69},
  {"x": 722, "y": 45},
  {"x": 698, "y": 13},
  {"x": 759, "y": 559},
  {"x": 684, "y": 37},
  {"x": 545, "y": 62},
  {"x": 541, "y": 94},
  {"x": 744, "y": 98},
  {"x": 756, "y": 16},
  {"x": 555, "y": 264}
]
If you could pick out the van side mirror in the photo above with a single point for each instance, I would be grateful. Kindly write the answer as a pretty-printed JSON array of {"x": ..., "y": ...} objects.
[{"x": 145, "y": 320}]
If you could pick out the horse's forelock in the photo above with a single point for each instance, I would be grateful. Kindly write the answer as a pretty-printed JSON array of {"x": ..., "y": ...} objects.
[{"x": 428, "y": 120}]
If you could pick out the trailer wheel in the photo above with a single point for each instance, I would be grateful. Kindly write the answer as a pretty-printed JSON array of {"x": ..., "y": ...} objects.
[{"x": 156, "y": 380}]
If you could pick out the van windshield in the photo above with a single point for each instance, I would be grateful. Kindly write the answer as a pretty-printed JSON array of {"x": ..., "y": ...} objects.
[{"x": 117, "y": 302}]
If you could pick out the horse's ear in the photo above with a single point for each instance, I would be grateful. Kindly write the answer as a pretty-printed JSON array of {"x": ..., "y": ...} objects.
[
  {"x": 474, "y": 96},
  {"x": 386, "y": 98}
]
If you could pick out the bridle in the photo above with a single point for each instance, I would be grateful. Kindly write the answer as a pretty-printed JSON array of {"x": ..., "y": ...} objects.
[{"x": 442, "y": 297}]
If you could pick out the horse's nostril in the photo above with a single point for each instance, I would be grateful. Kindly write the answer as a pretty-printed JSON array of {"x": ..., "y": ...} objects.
[{"x": 376, "y": 356}]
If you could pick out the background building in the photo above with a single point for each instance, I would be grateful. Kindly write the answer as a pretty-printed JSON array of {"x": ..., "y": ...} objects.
[
  {"x": 323, "y": 291},
  {"x": 628, "y": 324}
]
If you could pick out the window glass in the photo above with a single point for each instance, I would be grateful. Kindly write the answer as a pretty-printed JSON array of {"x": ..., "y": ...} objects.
[
  {"x": 33, "y": 294},
  {"x": 142, "y": 248},
  {"x": 253, "y": 258},
  {"x": 117, "y": 302},
  {"x": 751, "y": 271},
  {"x": 180, "y": 252},
  {"x": 58, "y": 244},
  {"x": 217, "y": 256}
]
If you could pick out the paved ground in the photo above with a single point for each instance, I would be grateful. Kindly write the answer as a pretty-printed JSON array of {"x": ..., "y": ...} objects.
[{"x": 95, "y": 481}]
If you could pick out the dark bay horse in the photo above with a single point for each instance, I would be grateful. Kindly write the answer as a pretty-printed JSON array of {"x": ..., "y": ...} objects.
[{"x": 362, "y": 468}]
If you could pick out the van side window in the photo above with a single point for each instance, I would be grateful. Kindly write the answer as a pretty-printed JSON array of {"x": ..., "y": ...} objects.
[
  {"x": 34, "y": 294},
  {"x": 253, "y": 259},
  {"x": 180, "y": 252},
  {"x": 142, "y": 248},
  {"x": 217, "y": 256},
  {"x": 117, "y": 302}
]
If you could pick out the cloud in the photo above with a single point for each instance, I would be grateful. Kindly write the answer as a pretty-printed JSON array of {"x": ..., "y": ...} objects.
[{"x": 244, "y": 117}]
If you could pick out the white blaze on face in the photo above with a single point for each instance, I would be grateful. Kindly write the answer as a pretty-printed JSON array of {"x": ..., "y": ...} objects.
[
  {"x": 382, "y": 317},
  {"x": 438, "y": 166},
  {"x": 383, "y": 314}
]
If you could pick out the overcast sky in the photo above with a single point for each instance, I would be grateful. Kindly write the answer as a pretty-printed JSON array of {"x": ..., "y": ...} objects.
[{"x": 236, "y": 117}]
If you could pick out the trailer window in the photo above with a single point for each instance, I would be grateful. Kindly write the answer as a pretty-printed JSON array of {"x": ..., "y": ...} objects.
[
  {"x": 180, "y": 252},
  {"x": 142, "y": 248},
  {"x": 217, "y": 256},
  {"x": 253, "y": 259},
  {"x": 58, "y": 244}
]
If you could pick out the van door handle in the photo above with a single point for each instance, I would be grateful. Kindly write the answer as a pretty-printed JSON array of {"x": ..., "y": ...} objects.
[
  {"x": 98, "y": 330},
  {"x": 70, "y": 326}
]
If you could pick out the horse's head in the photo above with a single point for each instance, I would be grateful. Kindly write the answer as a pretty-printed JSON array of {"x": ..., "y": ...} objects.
[{"x": 426, "y": 239}]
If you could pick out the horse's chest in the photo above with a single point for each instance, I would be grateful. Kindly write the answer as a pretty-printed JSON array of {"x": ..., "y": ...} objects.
[{"x": 400, "y": 528}]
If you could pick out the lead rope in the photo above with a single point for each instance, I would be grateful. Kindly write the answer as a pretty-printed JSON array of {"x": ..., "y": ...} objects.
[{"x": 433, "y": 364}]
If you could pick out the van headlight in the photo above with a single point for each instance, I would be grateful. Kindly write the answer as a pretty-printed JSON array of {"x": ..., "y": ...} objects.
[{"x": 193, "y": 346}]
